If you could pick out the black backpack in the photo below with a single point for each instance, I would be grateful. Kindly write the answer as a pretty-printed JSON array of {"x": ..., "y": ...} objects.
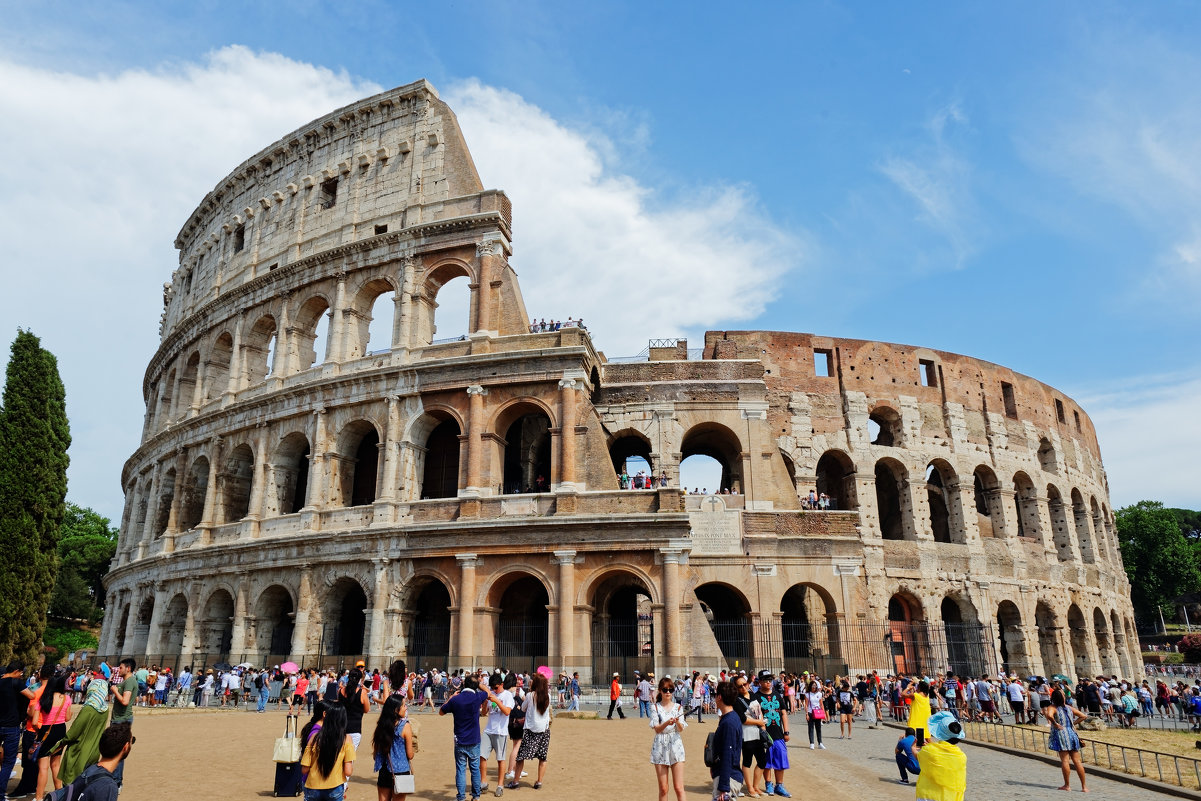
[{"x": 709, "y": 757}]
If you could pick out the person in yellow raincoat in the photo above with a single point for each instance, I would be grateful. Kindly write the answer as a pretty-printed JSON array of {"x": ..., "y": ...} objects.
[
  {"x": 944, "y": 765},
  {"x": 919, "y": 710}
]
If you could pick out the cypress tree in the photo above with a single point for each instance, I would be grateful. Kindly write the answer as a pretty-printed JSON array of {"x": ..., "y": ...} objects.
[{"x": 34, "y": 436}]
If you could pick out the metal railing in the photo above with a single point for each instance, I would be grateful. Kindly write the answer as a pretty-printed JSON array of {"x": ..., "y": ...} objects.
[{"x": 1181, "y": 771}]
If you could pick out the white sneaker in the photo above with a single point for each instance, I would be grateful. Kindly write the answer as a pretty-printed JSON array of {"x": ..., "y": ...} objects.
[
  {"x": 509, "y": 775},
  {"x": 812, "y": 746},
  {"x": 822, "y": 746},
  {"x": 524, "y": 774}
]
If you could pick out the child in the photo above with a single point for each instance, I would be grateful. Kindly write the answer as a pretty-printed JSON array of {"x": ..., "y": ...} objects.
[
  {"x": 943, "y": 764},
  {"x": 906, "y": 761}
]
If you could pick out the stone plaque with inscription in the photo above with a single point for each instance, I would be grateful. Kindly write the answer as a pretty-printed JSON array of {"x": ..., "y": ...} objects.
[{"x": 716, "y": 531}]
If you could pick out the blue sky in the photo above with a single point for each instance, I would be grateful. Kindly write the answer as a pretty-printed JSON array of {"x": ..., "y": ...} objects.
[{"x": 1019, "y": 184}]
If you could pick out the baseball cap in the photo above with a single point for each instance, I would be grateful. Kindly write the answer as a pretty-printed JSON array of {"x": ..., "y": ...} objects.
[
  {"x": 943, "y": 726},
  {"x": 765, "y": 675}
]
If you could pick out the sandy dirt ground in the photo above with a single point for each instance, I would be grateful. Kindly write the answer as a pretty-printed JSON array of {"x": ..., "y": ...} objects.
[{"x": 227, "y": 755}]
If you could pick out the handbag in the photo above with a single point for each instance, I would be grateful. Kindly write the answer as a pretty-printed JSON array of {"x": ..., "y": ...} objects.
[
  {"x": 403, "y": 783},
  {"x": 819, "y": 713},
  {"x": 287, "y": 748}
]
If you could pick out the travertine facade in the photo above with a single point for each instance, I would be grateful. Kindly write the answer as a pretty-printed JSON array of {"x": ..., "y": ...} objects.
[{"x": 371, "y": 499}]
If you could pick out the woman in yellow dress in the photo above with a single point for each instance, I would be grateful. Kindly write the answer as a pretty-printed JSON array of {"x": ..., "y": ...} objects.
[{"x": 919, "y": 710}]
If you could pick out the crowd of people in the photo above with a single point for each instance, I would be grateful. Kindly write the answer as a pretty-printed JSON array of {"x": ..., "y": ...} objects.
[
  {"x": 747, "y": 755},
  {"x": 539, "y": 326}
]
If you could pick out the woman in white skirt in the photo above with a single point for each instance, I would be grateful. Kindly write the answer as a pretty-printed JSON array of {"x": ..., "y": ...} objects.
[{"x": 667, "y": 749}]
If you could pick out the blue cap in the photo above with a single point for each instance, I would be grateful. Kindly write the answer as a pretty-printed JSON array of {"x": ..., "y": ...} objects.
[{"x": 943, "y": 726}]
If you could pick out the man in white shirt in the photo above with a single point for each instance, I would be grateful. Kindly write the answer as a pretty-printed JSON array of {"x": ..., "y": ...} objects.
[
  {"x": 496, "y": 731},
  {"x": 1017, "y": 700},
  {"x": 644, "y": 693}
]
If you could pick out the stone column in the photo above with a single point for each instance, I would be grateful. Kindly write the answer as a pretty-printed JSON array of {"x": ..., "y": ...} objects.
[
  {"x": 962, "y": 514},
  {"x": 135, "y": 601},
  {"x": 207, "y": 518},
  {"x": 339, "y": 326},
  {"x": 258, "y": 479},
  {"x": 300, "y": 628},
  {"x": 108, "y": 631},
  {"x": 189, "y": 631},
  {"x": 1009, "y": 520},
  {"x": 154, "y": 637},
  {"x": 673, "y": 649},
  {"x": 151, "y": 510},
  {"x": 198, "y": 388},
  {"x": 376, "y": 647},
  {"x": 567, "y": 464},
  {"x": 386, "y": 496},
  {"x": 176, "y": 500},
  {"x": 235, "y": 363},
  {"x": 465, "y": 648},
  {"x": 475, "y": 440},
  {"x": 566, "y": 562},
  {"x": 404, "y": 307},
  {"x": 280, "y": 363},
  {"x": 237, "y": 639},
  {"x": 487, "y": 252}
]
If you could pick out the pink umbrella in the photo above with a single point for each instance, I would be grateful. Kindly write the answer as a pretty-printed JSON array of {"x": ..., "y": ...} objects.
[
  {"x": 290, "y": 667},
  {"x": 545, "y": 671}
]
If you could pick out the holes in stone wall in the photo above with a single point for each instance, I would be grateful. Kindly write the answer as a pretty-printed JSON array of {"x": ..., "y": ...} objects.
[
  {"x": 927, "y": 372},
  {"x": 329, "y": 193},
  {"x": 1010, "y": 401},
  {"x": 823, "y": 363}
]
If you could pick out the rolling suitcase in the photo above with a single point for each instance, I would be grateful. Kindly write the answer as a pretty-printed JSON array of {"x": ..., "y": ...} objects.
[
  {"x": 287, "y": 760},
  {"x": 287, "y": 779}
]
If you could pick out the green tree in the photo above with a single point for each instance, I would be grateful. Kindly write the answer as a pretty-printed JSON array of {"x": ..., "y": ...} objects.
[
  {"x": 86, "y": 545},
  {"x": 1159, "y": 561},
  {"x": 34, "y": 437},
  {"x": 1189, "y": 521}
]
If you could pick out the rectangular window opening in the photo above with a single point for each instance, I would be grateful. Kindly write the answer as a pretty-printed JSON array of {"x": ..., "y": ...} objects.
[
  {"x": 381, "y": 229},
  {"x": 1059, "y": 411},
  {"x": 272, "y": 267},
  {"x": 240, "y": 238},
  {"x": 1076, "y": 415},
  {"x": 329, "y": 193},
  {"x": 823, "y": 363},
  {"x": 1011, "y": 406},
  {"x": 928, "y": 373}
]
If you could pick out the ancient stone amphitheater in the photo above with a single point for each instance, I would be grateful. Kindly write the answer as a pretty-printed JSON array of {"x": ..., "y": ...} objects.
[{"x": 321, "y": 477}]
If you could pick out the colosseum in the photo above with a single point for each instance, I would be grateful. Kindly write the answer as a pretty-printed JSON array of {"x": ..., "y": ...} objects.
[{"x": 322, "y": 477}]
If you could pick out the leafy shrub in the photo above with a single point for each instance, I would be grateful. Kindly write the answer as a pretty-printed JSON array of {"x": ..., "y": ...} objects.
[
  {"x": 1190, "y": 648},
  {"x": 63, "y": 640}
]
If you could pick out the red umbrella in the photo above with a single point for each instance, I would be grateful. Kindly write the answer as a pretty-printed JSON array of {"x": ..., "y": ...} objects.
[{"x": 290, "y": 667}]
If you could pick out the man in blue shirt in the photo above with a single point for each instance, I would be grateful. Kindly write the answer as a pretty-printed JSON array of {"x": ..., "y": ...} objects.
[
  {"x": 906, "y": 759},
  {"x": 464, "y": 706},
  {"x": 575, "y": 692},
  {"x": 727, "y": 746}
]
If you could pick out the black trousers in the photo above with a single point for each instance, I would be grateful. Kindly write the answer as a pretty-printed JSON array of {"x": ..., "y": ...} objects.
[
  {"x": 613, "y": 705},
  {"x": 29, "y": 769}
]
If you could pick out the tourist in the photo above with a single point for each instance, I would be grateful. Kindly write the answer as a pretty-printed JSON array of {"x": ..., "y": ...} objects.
[
  {"x": 14, "y": 698},
  {"x": 1064, "y": 739},
  {"x": 771, "y": 703},
  {"x": 311, "y": 730},
  {"x": 328, "y": 758},
  {"x": 667, "y": 747},
  {"x": 814, "y": 707},
  {"x": 102, "y": 778},
  {"x": 919, "y": 710},
  {"x": 464, "y": 706},
  {"x": 727, "y": 747},
  {"x": 299, "y": 691},
  {"x": 615, "y": 697},
  {"x": 83, "y": 739},
  {"x": 906, "y": 760},
  {"x": 846, "y": 709},
  {"x": 943, "y": 764},
  {"x": 496, "y": 732},
  {"x": 183, "y": 685},
  {"x": 50, "y": 716},
  {"x": 535, "y": 739},
  {"x": 393, "y": 749},
  {"x": 206, "y": 689},
  {"x": 644, "y": 693},
  {"x": 354, "y": 698},
  {"x": 575, "y": 692},
  {"x": 750, "y": 714}
]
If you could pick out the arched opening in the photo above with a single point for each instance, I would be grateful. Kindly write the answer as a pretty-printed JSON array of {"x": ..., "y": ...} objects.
[
  {"x": 630, "y": 453},
  {"x": 195, "y": 490},
  {"x": 165, "y": 400},
  {"x": 809, "y": 632},
  {"x": 141, "y": 625},
  {"x": 429, "y": 634},
  {"x": 1046, "y": 456},
  {"x": 274, "y": 622},
  {"x": 174, "y": 624},
  {"x": 1047, "y": 624},
  {"x": 451, "y": 310},
  {"x": 989, "y": 514},
  {"x": 527, "y": 451},
  {"x": 1098, "y": 526},
  {"x": 216, "y": 374},
  {"x": 1084, "y": 535},
  {"x": 1061, "y": 532},
  {"x": 311, "y": 333},
  {"x": 884, "y": 427},
  {"x": 166, "y": 497},
  {"x": 1014, "y": 658},
  {"x": 236, "y": 481},
  {"x": 345, "y": 619},
  {"x": 701, "y": 474},
  {"x": 836, "y": 479},
  {"x": 291, "y": 468},
  {"x": 1119, "y": 642},
  {"x": 1078, "y": 631},
  {"x": 122, "y": 627},
  {"x": 967, "y": 652},
  {"x": 187, "y": 384},
  {"x": 217, "y": 628},
  {"x": 375, "y": 306},
  {"x": 907, "y": 636},
  {"x": 440, "y": 474},
  {"x": 728, "y": 614},
  {"x": 358, "y": 467},
  {"x": 522, "y": 624},
  {"x": 939, "y": 476},
  {"x": 889, "y": 483},
  {"x": 140, "y": 512},
  {"x": 623, "y": 629},
  {"x": 258, "y": 347},
  {"x": 595, "y": 380},
  {"x": 1026, "y": 505},
  {"x": 1104, "y": 643},
  {"x": 719, "y": 443}
]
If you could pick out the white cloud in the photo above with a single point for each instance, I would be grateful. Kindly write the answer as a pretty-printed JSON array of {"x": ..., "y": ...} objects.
[
  {"x": 594, "y": 242},
  {"x": 1149, "y": 438},
  {"x": 99, "y": 174}
]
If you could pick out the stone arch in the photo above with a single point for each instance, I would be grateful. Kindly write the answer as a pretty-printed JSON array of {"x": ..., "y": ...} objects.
[
  {"x": 523, "y": 426},
  {"x": 808, "y": 628},
  {"x": 1014, "y": 658},
  {"x": 429, "y": 599},
  {"x": 908, "y": 634},
  {"x": 358, "y": 464},
  {"x": 215, "y": 629},
  {"x": 166, "y": 399},
  {"x": 122, "y": 627},
  {"x": 720, "y": 443},
  {"x": 966, "y": 649},
  {"x": 1119, "y": 642},
  {"x": 140, "y": 512},
  {"x": 1060, "y": 529},
  {"x": 623, "y": 628},
  {"x": 990, "y": 515},
  {"x": 441, "y": 457},
  {"x": 373, "y": 318},
  {"x": 627, "y": 444},
  {"x": 836, "y": 478},
  {"x": 166, "y": 497},
  {"x": 1078, "y": 638},
  {"x": 174, "y": 625},
  {"x": 884, "y": 426},
  {"x": 187, "y": 384},
  {"x": 258, "y": 347},
  {"x": 273, "y": 618},
  {"x": 892, "y": 501},
  {"x": 1047, "y": 458},
  {"x": 728, "y": 613},
  {"x": 344, "y": 616},
  {"x": 195, "y": 492},
  {"x": 1025, "y": 500},
  {"x": 521, "y": 597},
  {"x": 310, "y": 332},
  {"x": 430, "y": 324},
  {"x": 1105, "y": 649},
  {"x": 220, "y": 361},
  {"x": 290, "y": 467},
  {"x": 1084, "y": 534},
  {"x": 1046, "y": 623},
  {"x": 1098, "y": 522},
  {"x": 236, "y": 481},
  {"x": 942, "y": 497},
  {"x": 141, "y": 625}
]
